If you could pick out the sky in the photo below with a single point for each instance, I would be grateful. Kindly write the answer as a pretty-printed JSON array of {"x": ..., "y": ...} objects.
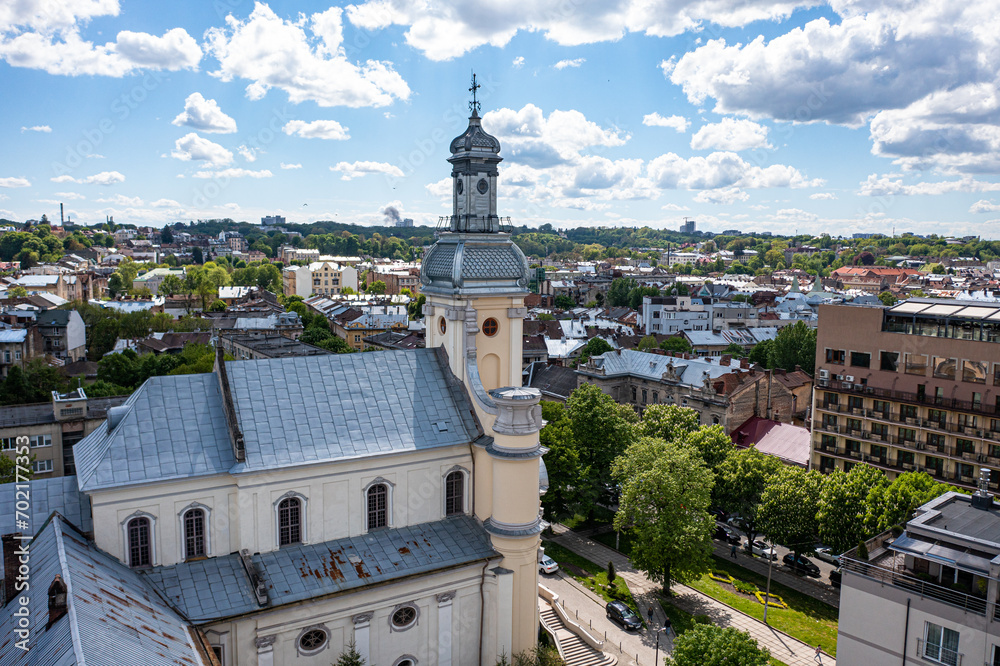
[{"x": 789, "y": 116}]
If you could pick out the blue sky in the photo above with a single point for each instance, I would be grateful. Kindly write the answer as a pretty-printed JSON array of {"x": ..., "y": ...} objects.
[{"x": 857, "y": 115}]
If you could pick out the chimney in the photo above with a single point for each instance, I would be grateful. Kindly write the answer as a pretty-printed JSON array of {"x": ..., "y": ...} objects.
[
  {"x": 981, "y": 499},
  {"x": 10, "y": 564},
  {"x": 62, "y": 220},
  {"x": 726, "y": 358},
  {"x": 58, "y": 604},
  {"x": 798, "y": 368},
  {"x": 744, "y": 363}
]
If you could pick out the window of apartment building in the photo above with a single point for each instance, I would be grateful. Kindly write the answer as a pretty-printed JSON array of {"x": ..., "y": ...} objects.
[
  {"x": 194, "y": 533},
  {"x": 977, "y": 400},
  {"x": 941, "y": 644},
  {"x": 656, "y": 397},
  {"x": 964, "y": 446},
  {"x": 829, "y": 420},
  {"x": 836, "y": 356},
  {"x": 378, "y": 506},
  {"x": 42, "y": 466},
  {"x": 881, "y": 406},
  {"x": 995, "y": 656},
  {"x": 644, "y": 396},
  {"x": 831, "y": 399},
  {"x": 848, "y": 466},
  {"x": 826, "y": 465},
  {"x": 934, "y": 465},
  {"x": 916, "y": 364},
  {"x": 828, "y": 442},
  {"x": 853, "y": 447},
  {"x": 880, "y": 430},
  {"x": 854, "y": 425},
  {"x": 879, "y": 452},
  {"x": 40, "y": 440},
  {"x": 995, "y": 425},
  {"x": 855, "y": 402},
  {"x": 905, "y": 457},
  {"x": 861, "y": 359},
  {"x": 889, "y": 361},
  {"x": 907, "y": 411},
  {"x": 140, "y": 542},
  {"x": 8, "y": 443},
  {"x": 996, "y": 374},
  {"x": 289, "y": 521},
  {"x": 939, "y": 416},
  {"x": 17, "y": 355},
  {"x": 907, "y": 435},
  {"x": 936, "y": 440},
  {"x": 943, "y": 367},
  {"x": 993, "y": 451},
  {"x": 454, "y": 494},
  {"x": 966, "y": 420},
  {"x": 974, "y": 371}
]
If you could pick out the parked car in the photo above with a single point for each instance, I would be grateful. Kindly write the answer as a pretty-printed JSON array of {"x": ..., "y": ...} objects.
[
  {"x": 620, "y": 613},
  {"x": 761, "y": 549},
  {"x": 548, "y": 565},
  {"x": 723, "y": 533},
  {"x": 801, "y": 564},
  {"x": 825, "y": 553},
  {"x": 719, "y": 514},
  {"x": 835, "y": 577}
]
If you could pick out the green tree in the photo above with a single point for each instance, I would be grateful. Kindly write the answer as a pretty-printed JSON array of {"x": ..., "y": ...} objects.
[
  {"x": 101, "y": 337},
  {"x": 564, "y": 302},
  {"x": 595, "y": 347},
  {"x": 794, "y": 345},
  {"x": 787, "y": 512},
  {"x": 712, "y": 444},
  {"x": 844, "y": 504},
  {"x": 636, "y": 295},
  {"x": 416, "y": 307},
  {"x": 17, "y": 292},
  {"x": 761, "y": 353},
  {"x": 618, "y": 292},
  {"x": 8, "y": 470},
  {"x": 887, "y": 299},
  {"x": 336, "y": 344},
  {"x": 350, "y": 656},
  {"x": 677, "y": 344},
  {"x": 668, "y": 422},
  {"x": 15, "y": 387},
  {"x": 735, "y": 350},
  {"x": 647, "y": 343},
  {"x": 105, "y": 389},
  {"x": 602, "y": 430},
  {"x": 377, "y": 287},
  {"x": 197, "y": 256},
  {"x": 665, "y": 495},
  {"x": 120, "y": 369},
  {"x": 709, "y": 645},
  {"x": 740, "y": 482},
  {"x": 562, "y": 462},
  {"x": 895, "y": 503},
  {"x": 170, "y": 285}
]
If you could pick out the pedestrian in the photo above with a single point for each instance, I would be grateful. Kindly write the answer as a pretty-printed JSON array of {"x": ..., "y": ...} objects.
[
  {"x": 819, "y": 654},
  {"x": 668, "y": 628},
  {"x": 650, "y": 615},
  {"x": 732, "y": 551}
]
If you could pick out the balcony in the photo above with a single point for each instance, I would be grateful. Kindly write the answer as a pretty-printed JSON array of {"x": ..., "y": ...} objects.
[{"x": 918, "y": 399}]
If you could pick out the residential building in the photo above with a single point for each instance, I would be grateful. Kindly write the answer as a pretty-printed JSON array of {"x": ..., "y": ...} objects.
[
  {"x": 329, "y": 278},
  {"x": 354, "y": 325},
  {"x": 272, "y": 514},
  {"x": 672, "y": 314},
  {"x": 927, "y": 595},
  {"x": 18, "y": 346},
  {"x": 289, "y": 253},
  {"x": 909, "y": 387},
  {"x": 272, "y": 220},
  {"x": 152, "y": 279},
  {"x": 53, "y": 429},
  {"x": 268, "y": 345},
  {"x": 63, "y": 334},
  {"x": 296, "y": 281}
]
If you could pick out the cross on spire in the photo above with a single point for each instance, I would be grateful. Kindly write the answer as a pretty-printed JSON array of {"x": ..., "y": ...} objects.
[{"x": 474, "y": 105}]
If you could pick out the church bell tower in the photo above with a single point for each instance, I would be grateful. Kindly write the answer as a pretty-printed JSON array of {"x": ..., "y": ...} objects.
[{"x": 475, "y": 279}]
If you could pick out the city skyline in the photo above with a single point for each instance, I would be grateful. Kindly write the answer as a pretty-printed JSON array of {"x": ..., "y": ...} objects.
[{"x": 782, "y": 116}]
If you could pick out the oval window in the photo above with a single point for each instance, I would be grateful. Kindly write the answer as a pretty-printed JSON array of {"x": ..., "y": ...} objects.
[
  {"x": 482, "y": 186},
  {"x": 442, "y": 325},
  {"x": 490, "y": 327},
  {"x": 312, "y": 640},
  {"x": 404, "y": 617}
]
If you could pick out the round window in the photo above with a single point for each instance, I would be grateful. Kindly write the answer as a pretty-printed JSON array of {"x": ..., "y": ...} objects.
[
  {"x": 404, "y": 617},
  {"x": 442, "y": 325},
  {"x": 312, "y": 641},
  {"x": 482, "y": 186},
  {"x": 490, "y": 327}
]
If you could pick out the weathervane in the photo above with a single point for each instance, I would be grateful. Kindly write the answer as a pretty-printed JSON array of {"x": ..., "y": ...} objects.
[{"x": 474, "y": 105}]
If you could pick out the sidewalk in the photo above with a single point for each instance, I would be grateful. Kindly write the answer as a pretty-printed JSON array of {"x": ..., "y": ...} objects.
[
  {"x": 779, "y": 574},
  {"x": 783, "y": 648}
]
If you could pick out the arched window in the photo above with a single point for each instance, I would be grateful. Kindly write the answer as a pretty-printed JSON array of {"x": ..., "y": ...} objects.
[
  {"x": 139, "y": 543},
  {"x": 378, "y": 506},
  {"x": 454, "y": 494},
  {"x": 289, "y": 521},
  {"x": 194, "y": 533}
]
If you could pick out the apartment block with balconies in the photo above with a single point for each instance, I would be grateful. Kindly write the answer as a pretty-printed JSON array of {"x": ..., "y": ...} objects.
[{"x": 911, "y": 387}]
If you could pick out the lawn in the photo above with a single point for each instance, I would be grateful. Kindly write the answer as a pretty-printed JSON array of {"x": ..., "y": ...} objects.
[
  {"x": 806, "y": 618},
  {"x": 592, "y": 576},
  {"x": 681, "y": 621}
]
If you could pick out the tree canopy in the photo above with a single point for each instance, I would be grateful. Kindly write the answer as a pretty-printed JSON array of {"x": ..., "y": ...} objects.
[{"x": 710, "y": 645}]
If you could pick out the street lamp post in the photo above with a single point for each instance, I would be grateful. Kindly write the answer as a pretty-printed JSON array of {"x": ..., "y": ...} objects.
[
  {"x": 656, "y": 659},
  {"x": 767, "y": 593}
]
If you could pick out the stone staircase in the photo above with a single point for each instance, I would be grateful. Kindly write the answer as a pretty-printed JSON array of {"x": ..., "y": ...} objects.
[{"x": 572, "y": 648}]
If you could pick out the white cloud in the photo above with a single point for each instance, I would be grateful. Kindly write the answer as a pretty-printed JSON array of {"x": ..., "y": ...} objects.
[
  {"x": 193, "y": 147},
  {"x": 440, "y": 189},
  {"x": 317, "y": 129},
  {"x": 575, "y": 62},
  {"x": 892, "y": 185},
  {"x": 233, "y": 173},
  {"x": 518, "y": 62},
  {"x": 823, "y": 196},
  {"x": 722, "y": 170},
  {"x": 445, "y": 29},
  {"x": 204, "y": 115},
  {"x": 729, "y": 195},
  {"x": 673, "y": 206},
  {"x": 165, "y": 203},
  {"x": 121, "y": 200},
  {"x": 71, "y": 196},
  {"x": 984, "y": 206},
  {"x": 352, "y": 170},
  {"x": 36, "y": 128},
  {"x": 679, "y": 123},
  {"x": 14, "y": 182},
  {"x": 271, "y": 52},
  {"x": 67, "y": 53},
  {"x": 794, "y": 215},
  {"x": 249, "y": 154},
  {"x": 47, "y": 15},
  {"x": 730, "y": 134},
  {"x": 102, "y": 178},
  {"x": 290, "y": 166}
]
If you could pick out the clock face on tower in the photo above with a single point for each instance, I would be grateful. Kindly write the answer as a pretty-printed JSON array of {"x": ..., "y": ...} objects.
[{"x": 482, "y": 186}]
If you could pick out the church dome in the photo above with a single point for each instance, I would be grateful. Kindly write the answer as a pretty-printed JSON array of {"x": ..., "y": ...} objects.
[
  {"x": 480, "y": 264},
  {"x": 474, "y": 138}
]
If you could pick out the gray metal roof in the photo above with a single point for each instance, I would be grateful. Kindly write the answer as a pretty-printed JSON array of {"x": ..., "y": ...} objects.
[
  {"x": 59, "y": 494},
  {"x": 174, "y": 428},
  {"x": 291, "y": 411},
  {"x": 652, "y": 366},
  {"x": 114, "y": 618},
  {"x": 213, "y": 589}
]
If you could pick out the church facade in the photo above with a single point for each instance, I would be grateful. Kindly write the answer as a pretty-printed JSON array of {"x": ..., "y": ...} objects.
[{"x": 274, "y": 511}]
